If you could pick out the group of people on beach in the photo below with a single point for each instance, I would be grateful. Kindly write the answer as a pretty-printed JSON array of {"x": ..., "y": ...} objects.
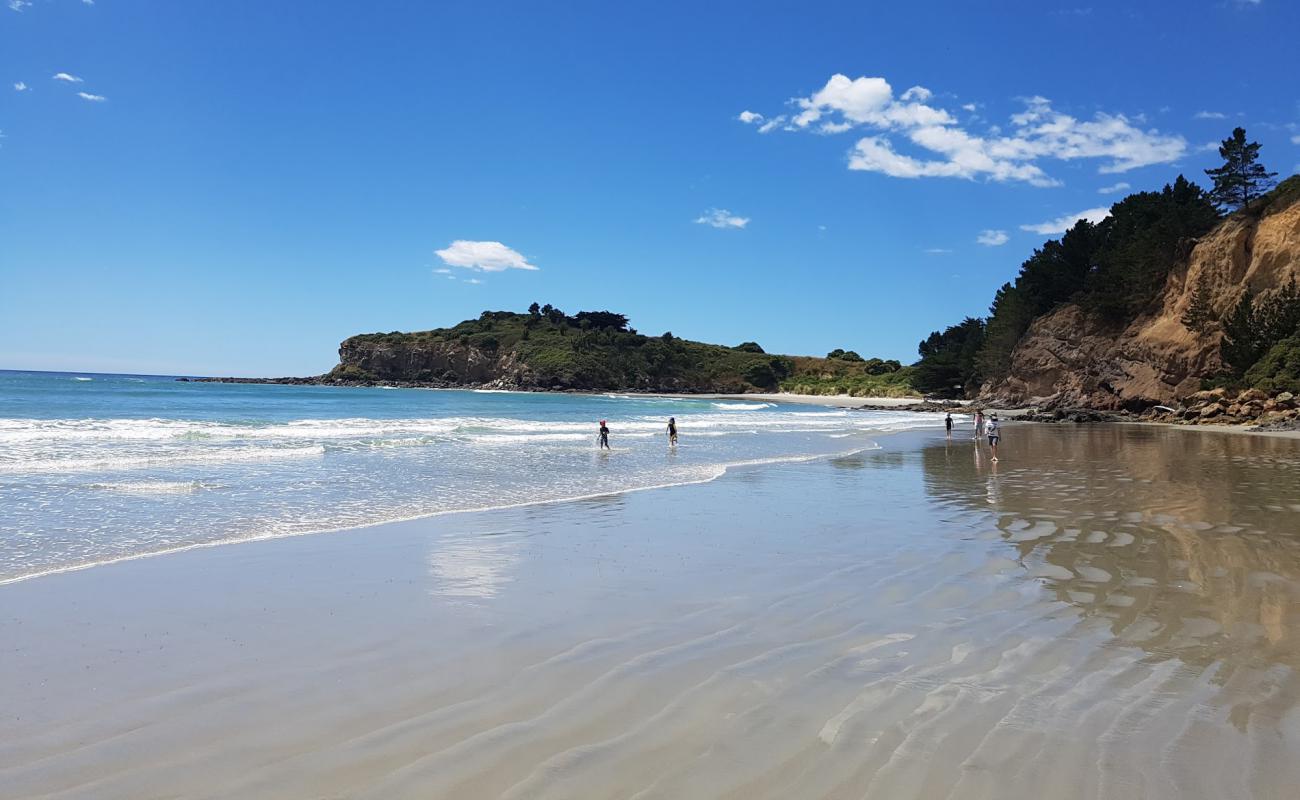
[
  {"x": 989, "y": 427},
  {"x": 983, "y": 427},
  {"x": 602, "y": 435}
]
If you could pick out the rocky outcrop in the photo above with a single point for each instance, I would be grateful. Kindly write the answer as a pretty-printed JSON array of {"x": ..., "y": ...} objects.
[
  {"x": 430, "y": 363},
  {"x": 1071, "y": 358}
]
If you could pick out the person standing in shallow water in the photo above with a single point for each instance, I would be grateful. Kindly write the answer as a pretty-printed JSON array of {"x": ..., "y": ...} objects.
[
  {"x": 604, "y": 435},
  {"x": 979, "y": 424},
  {"x": 672, "y": 431},
  {"x": 947, "y": 424},
  {"x": 995, "y": 435}
]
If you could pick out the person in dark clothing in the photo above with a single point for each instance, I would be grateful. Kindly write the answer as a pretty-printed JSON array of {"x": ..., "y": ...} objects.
[
  {"x": 672, "y": 430},
  {"x": 604, "y": 435},
  {"x": 947, "y": 424}
]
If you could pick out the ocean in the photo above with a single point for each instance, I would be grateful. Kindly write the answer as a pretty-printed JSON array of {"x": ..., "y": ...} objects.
[{"x": 100, "y": 468}]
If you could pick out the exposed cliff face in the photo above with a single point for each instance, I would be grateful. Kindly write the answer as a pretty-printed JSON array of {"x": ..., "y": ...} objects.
[
  {"x": 1069, "y": 357},
  {"x": 431, "y": 362}
]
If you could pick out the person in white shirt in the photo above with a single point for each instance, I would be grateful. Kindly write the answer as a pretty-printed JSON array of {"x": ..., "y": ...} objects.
[{"x": 995, "y": 434}]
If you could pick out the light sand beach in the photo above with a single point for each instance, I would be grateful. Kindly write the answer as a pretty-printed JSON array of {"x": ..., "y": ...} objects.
[{"x": 1109, "y": 612}]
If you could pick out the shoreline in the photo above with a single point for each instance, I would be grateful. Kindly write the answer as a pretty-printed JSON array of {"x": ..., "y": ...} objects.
[{"x": 723, "y": 470}]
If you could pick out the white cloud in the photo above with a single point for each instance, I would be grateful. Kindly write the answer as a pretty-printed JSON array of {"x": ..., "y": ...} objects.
[
  {"x": 749, "y": 117},
  {"x": 63, "y": 76},
  {"x": 942, "y": 148},
  {"x": 482, "y": 256},
  {"x": 1209, "y": 115},
  {"x": 969, "y": 107},
  {"x": 721, "y": 218},
  {"x": 992, "y": 238},
  {"x": 442, "y": 271},
  {"x": 19, "y": 5},
  {"x": 20, "y": 87},
  {"x": 1122, "y": 186},
  {"x": 1295, "y": 139},
  {"x": 94, "y": 98},
  {"x": 937, "y": 251},
  {"x": 473, "y": 280},
  {"x": 1063, "y": 224},
  {"x": 918, "y": 93}
]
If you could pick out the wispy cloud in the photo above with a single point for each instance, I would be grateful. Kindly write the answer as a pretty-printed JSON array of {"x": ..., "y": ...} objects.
[
  {"x": 943, "y": 148},
  {"x": 442, "y": 271},
  {"x": 992, "y": 238},
  {"x": 721, "y": 218},
  {"x": 1064, "y": 223},
  {"x": 63, "y": 76},
  {"x": 20, "y": 87},
  {"x": 1209, "y": 115},
  {"x": 483, "y": 256},
  {"x": 1295, "y": 139},
  {"x": 19, "y": 5},
  {"x": 94, "y": 98},
  {"x": 937, "y": 251},
  {"x": 1122, "y": 186}
]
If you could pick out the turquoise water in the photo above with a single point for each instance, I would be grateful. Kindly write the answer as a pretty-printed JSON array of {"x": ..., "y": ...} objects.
[{"x": 97, "y": 468}]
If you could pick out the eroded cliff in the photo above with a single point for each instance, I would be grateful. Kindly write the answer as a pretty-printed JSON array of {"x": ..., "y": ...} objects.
[{"x": 1071, "y": 357}]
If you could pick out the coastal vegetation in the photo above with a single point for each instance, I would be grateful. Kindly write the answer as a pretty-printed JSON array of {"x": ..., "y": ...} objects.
[{"x": 547, "y": 348}]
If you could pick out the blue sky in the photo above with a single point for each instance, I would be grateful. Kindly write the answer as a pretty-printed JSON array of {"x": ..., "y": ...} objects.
[{"x": 234, "y": 187}]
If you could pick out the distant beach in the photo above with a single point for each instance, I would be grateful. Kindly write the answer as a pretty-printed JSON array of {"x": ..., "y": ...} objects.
[{"x": 1110, "y": 611}]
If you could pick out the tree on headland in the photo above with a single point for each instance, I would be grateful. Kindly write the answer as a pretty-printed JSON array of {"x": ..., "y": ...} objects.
[
  {"x": 534, "y": 310},
  {"x": 750, "y": 347},
  {"x": 947, "y": 364},
  {"x": 1242, "y": 178}
]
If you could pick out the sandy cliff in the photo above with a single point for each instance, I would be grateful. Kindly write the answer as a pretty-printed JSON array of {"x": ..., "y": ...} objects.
[{"x": 1069, "y": 357}]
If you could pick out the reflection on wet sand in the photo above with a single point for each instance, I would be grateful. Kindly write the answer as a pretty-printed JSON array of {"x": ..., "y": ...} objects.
[{"x": 1187, "y": 545}]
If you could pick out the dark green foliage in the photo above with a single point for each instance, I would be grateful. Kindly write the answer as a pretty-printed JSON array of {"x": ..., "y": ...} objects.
[
  {"x": 1257, "y": 324},
  {"x": 846, "y": 355},
  {"x": 1146, "y": 235},
  {"x": 1242, "y": 178},
  {"x": 1009, "y": 318},
  {"x": 875, "y": 366},
  {"x": 948, "y": 366},
  {"x": 534, "y": 310},
  {"x": 602, "y": 320},
  {"x": 1278, "y": 370},
  {"x": 1199, "y": 314},
  {"x": 749, "y": 347}
]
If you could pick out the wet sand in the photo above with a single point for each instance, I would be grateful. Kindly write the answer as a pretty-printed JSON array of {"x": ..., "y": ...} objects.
[{"x": 1112, "y": 612}]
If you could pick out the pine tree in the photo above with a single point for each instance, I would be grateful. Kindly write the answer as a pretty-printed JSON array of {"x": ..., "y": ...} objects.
[
  {"x": 1241, "y": 346},
  {"x": 1242, "y": 178},
  {"x": 1199, "y": 312}
]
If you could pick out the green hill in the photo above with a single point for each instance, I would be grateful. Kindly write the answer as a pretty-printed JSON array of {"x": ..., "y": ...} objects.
[{"x": 597, "y": 351}]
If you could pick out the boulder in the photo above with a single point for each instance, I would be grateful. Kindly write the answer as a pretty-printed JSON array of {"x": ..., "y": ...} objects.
[{"x": 1212, "y": 410}]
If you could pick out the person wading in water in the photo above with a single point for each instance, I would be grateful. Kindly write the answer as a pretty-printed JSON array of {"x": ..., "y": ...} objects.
[
  {"x": 604, "y": 435},
  {"x": 995, "y": 435},
  {"x": 672, "y": 431}
]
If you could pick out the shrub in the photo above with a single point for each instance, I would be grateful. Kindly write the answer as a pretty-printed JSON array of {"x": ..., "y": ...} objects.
[
  {"x": 761, "y": 375},
  {"x": 749, "y": 347},
  {"x": 1278, "y": 370}
]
